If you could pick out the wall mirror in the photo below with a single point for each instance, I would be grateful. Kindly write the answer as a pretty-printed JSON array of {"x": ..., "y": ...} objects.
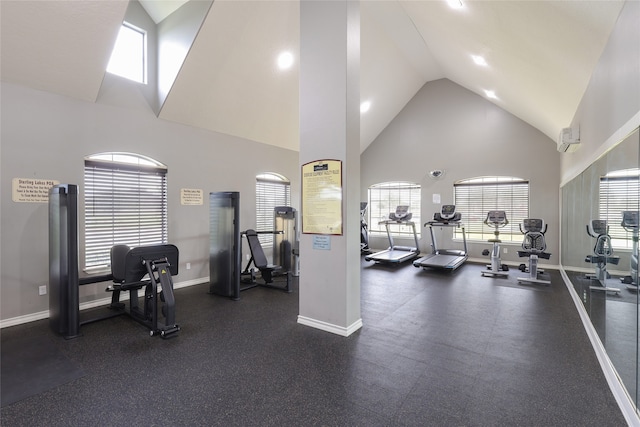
[{"x": 600, "y": 252}]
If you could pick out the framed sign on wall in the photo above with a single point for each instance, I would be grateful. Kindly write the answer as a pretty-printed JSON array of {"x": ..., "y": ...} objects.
[{"x": 322, "y": 197}]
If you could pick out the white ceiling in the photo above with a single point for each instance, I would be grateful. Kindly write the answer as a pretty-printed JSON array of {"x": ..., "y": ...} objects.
[{"x": 540, "y": 57}]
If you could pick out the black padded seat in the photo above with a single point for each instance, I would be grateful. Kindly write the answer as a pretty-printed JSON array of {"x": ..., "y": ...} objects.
[
  {"x": 259, "y": 258},
  {"x": 118, "y": 256}
]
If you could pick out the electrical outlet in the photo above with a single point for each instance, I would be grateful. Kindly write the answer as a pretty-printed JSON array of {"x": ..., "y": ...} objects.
[
  {"x": 505, "y": 250},
  {"x": 188, "y": 266},
  {"x": 42, "y": 290}
]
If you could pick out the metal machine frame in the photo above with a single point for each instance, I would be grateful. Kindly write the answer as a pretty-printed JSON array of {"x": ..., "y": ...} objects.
[
  {"x": 448, "y": 259},
  {"x": 397, "y": 254}
]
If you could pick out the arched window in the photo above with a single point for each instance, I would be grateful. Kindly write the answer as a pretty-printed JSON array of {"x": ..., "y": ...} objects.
[
  {"x": 475, "y": 197},
  {"x": 125, "y": 202},
  {"x": 272, "y": 190},
  {"x": 385, "y": 197}
]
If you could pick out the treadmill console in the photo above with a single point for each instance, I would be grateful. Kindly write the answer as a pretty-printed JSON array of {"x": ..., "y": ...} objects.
[
  {"x": 448, "y": 211},
  {"x": 401, "y": 214},
  {"x": 446, "y": 215}
]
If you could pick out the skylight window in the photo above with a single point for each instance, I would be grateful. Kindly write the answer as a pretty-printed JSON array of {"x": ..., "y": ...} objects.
[{"x": 128, "y": 58}]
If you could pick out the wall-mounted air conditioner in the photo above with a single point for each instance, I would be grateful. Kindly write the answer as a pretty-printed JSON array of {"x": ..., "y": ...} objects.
[{"x": 569, "y": 140}]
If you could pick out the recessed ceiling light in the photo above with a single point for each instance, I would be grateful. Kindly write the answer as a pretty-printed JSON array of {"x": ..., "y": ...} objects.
[
  {"x": 490, "y": 94},
  {"x": 455, "y": 4},
  {"x": 479, "y": 60},
  {"x": 285, "y": 60},
  {"x": 364, "y": 107}
]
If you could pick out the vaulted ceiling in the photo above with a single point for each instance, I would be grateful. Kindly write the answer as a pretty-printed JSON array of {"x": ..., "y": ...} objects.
[{"x": 539, "y": 54}]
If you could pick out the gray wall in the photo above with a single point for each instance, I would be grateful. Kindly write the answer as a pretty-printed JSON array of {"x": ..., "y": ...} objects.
[
  {"x": 446, "y": 126},
  {"x": 610, "y": 107},
  {"x": 47, "y": 136}
]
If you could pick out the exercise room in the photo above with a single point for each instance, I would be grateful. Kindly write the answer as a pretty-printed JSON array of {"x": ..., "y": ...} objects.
[{"x": 296, "y": 213}]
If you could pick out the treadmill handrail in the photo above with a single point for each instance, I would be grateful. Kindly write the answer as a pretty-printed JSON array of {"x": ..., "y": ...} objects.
[
  {"x": 393, "y": 221},
  {"x": 444, "y": 224}
]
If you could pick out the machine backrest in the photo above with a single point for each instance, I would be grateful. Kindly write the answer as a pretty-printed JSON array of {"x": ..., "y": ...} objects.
[
  {"x": 118, "y": 255},
  {"x": 135, "y": 268},
  {"x": 534, "y": 229},
  {"x": 259, "y": 258}
]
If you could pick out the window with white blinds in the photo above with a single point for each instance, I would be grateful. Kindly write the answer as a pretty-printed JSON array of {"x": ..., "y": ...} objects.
[
  {"x": 475, "y": 197},
  {"x": 384, "y": 198},
  {"x": 619, "y": 191},
  {"x": 272, "y": 190},
  {"x": 125, "y": 202}
]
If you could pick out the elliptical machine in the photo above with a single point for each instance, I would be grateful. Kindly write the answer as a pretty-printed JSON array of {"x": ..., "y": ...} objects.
[
  {"x": 533, "y": 246},
  {"x": 630, "y": 224},
  {"x": 602, "y": 255},
  {"x": 364, "y": 229},
  {"x": 497, "y": 220}
]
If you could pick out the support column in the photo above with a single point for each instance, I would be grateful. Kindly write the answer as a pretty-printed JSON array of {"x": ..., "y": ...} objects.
[{"x": 330, "y": 129}]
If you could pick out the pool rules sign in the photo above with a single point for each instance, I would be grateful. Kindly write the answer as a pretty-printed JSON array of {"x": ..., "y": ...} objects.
[{"x": 322, "y": 197}]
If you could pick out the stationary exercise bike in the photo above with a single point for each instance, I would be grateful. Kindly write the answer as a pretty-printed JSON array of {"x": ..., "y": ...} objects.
[
  {"x": 533, "y": 247},
  {"x": 602, "y": 255},
  {"x": 630, "y": 224},
  {"x": 496, "y": 220}
]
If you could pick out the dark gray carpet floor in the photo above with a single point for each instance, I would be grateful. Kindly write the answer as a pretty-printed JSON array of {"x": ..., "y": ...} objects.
[{"x": 436, "y": 349}]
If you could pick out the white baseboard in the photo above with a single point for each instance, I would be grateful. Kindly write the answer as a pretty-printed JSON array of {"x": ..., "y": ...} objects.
[
  {"x": 19, "y": 320},
  {"x": 328, "y": 327},
  {"x": 613, "y": 379}
]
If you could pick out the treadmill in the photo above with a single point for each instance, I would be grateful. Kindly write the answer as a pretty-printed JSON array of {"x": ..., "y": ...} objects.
[
  {"x": 397, "y": 254},
  {"x": 446, "y": 259}
]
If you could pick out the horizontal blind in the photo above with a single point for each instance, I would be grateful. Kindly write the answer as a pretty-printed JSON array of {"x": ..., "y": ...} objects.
[
  {"x": 384, "y": 198},
  {"x": 474, "y": 198},
  {"x": 269, "y": 194},
  {"x": 618, "y": 194},
  {"x": 124, "y": 204}
]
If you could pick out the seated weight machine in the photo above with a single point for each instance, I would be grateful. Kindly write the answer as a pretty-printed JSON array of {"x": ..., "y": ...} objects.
[
  {"x": 602, "y": 255},
  {"x": 533, "y": 247},
  {"x": 129, "y": 267},
  {"x": 267, "y": 271},
  {"x": 497, "y": 220}
]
